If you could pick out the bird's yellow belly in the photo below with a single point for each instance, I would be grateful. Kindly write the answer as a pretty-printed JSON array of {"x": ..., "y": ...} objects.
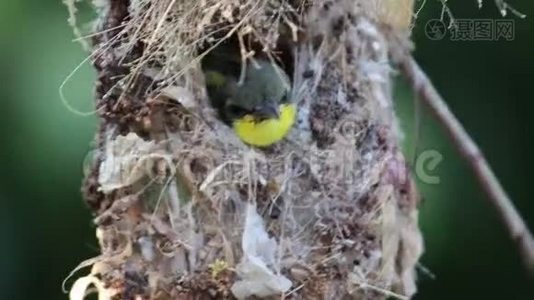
[{"x": 266, "y": 132}]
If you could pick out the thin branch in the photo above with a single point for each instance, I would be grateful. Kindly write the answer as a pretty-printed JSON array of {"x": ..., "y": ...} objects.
[
  {"x": 428, "y": 94},
  {"x": 504, "y": 7}
]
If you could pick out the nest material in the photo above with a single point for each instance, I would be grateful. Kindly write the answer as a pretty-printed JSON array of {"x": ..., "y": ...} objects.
[{"x": 187, "y": 211}]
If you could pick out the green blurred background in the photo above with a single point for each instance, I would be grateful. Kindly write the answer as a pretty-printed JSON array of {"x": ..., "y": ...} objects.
[{"x": 46, "y": 230}]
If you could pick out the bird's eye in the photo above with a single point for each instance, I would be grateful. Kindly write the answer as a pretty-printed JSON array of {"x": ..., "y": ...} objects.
[
  {"x": 237, "y": 111},
  {"x": 285, "y": 98}
]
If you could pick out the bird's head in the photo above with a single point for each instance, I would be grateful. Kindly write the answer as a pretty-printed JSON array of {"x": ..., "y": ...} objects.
[{"x": 264, "y": 89}]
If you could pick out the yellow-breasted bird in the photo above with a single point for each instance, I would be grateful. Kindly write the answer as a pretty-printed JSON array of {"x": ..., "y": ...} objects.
[{"x": 259, "y": 108}]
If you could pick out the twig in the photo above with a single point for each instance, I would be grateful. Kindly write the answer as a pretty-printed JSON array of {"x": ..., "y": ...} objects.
[
  {"x": 504, "y": 7},
  {"x": 428, "y": 94}
]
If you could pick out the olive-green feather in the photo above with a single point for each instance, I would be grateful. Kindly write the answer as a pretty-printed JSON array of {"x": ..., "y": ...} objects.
[{"x": 264, "y": 83}]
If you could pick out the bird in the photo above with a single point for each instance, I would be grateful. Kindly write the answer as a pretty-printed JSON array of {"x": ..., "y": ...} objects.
[{"x": 257, "y": 105}]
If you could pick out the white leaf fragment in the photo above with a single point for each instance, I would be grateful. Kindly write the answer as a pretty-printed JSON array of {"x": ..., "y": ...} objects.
[
  {"x": 255, "y": 269},
  {"x": 127, "y": 159},
  {"x": 181, "y": 95},
  {"x": 82, "y": 285}
]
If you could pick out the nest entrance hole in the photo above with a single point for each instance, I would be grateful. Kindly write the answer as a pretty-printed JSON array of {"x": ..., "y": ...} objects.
[{"x": 282, "y": 54}]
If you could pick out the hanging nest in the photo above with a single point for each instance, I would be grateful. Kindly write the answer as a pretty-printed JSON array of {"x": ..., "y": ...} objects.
[{"x": 185, "y": 210}]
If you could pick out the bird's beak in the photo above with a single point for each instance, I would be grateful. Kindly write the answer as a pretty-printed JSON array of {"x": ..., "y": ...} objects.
[{"x": 268, "y": 110}]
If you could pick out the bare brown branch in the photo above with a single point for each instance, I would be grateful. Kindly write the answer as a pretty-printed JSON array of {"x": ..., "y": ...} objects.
[{"x": 427, "y": 93}]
